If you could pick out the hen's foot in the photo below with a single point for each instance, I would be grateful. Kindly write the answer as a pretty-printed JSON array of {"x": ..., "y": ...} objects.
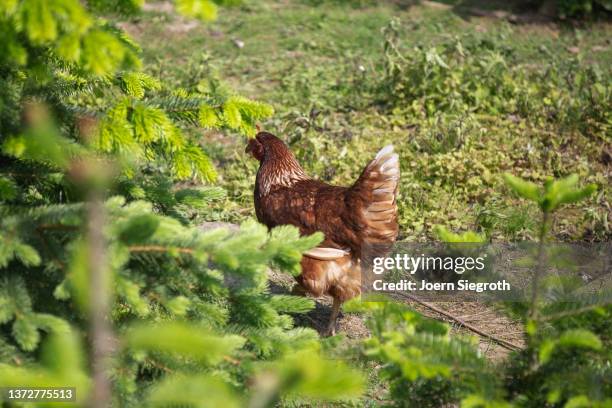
[
  {"x": 297, "y": 290},
  {"x": 330, "y": 331},
  {"x": 331, "y": 328}
]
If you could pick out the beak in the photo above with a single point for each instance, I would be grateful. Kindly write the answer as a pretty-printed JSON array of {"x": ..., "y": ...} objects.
[{"x": 253, "y": 148}]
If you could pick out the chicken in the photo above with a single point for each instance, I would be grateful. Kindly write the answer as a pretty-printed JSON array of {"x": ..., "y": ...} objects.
[{"x": 363, "y": 215}]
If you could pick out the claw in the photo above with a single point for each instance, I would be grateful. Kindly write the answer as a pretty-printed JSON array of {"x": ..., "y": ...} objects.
[{"x": 331, "y": 328}]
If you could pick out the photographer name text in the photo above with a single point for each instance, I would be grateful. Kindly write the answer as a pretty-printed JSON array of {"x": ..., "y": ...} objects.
[{"x": 462, "y": 285}]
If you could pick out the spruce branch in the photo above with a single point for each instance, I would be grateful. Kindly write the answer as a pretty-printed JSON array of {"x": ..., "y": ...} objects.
[{"x": 160, "y": 248}]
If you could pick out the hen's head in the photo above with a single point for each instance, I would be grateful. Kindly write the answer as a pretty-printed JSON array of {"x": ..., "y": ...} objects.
[
  {"x": 277, "y": 165},
  {"x": 266, "y": 145}
]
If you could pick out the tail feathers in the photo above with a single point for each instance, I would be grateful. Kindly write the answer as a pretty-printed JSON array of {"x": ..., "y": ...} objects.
[
  {"x": 387, "y": 150},
  {"x": 376, "y": 190}
]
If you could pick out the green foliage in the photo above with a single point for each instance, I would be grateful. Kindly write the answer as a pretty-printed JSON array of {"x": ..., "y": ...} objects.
[
  {"x": 337, "y": 116},
  {"x": 188, "y": 391},
  {"x": 423, "y": 364},
  {"x": 26, "y": 323},
  {"x": 183, "y": 340},
  {"x": 453, "y": 77},
  {"x": 61, "y": 363},
  {"x": 566, "y": 345},
  {"x": 447, "y": 236},
  {"x": 8, "y": 189},
  {"x": 564, "y": 363},
  {"x": 190, "y": 309},
  {"x": 240, "y": 114},
  {"x": 136, "y": 83},
  {"x": 292, "y": 304},
  {"x": 201, "y": 9},
  {"x": 554, "y": 193},
  {"x": 474, "y": 75},
  {"x": 81, "y": 95},
  {"x": 578, "y": 338},
  {"x": 576, "y": 8},
  {"x": 303, "y": 374},
  {"x": 85, "y": 71},
  {"x": 195, "y": 285}
]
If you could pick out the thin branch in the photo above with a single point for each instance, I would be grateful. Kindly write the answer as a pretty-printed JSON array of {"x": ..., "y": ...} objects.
[
  {"x": 159, "y": 248},
  {"x": 101, "y": 333},
  {"x": 533, "y": 312},
  {"x": 471, "y": 317},
  {"x": 47, "y": 249},
  {"x": 574, "y": 312},
  {"x": 504, "y": 343},
  {"x": 61, "y": 227}
]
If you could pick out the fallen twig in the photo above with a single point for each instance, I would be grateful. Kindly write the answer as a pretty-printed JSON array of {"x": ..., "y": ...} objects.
[
  {"x": 471, "y": 317},
  {"x": 504, "y": 343}
]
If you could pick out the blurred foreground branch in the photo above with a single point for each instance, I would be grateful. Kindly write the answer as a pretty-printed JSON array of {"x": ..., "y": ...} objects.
[{"x": 101, "y": 334}]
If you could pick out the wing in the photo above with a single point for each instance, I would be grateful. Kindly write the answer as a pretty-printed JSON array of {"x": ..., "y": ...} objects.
[
  {"x": 289, "y": 205},
  {"x": 311, "y": 206},
  {"x": 365, "y": 213}
]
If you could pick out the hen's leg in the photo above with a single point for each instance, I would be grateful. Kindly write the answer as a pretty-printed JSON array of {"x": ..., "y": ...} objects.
[
  {"x": 298, "y": 290},
  {"x": 331, "y": 328}
]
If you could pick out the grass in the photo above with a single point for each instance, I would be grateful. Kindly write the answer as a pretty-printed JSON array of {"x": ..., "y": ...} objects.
[{"x": 320, "y": 68}]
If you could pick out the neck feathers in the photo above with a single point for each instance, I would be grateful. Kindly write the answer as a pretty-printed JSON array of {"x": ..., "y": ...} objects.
[{"x": 279, "y": 168}]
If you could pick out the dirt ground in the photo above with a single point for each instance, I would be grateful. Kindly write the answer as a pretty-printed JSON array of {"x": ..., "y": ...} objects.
[{"x": 479, "y": 315}]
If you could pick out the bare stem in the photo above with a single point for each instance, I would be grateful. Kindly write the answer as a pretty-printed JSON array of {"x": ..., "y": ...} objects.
[
  {"x": 535, "y": 289},
  {"x": 160, "y": 248},
  {"x": 101, "y": 334}
]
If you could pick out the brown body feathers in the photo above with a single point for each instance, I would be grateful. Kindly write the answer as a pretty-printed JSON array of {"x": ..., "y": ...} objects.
[{"x": 350, "y": 217}]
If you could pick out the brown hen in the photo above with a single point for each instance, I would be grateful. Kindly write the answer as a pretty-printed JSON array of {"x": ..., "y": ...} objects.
[{"x": 352, "y": 218}]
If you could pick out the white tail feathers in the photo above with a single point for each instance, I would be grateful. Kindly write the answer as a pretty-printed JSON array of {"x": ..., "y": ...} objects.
[
  {"x": 386, "y": 161},
  {"x": 384, "y": 151},
  {"x": 379, "y": 183}
]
